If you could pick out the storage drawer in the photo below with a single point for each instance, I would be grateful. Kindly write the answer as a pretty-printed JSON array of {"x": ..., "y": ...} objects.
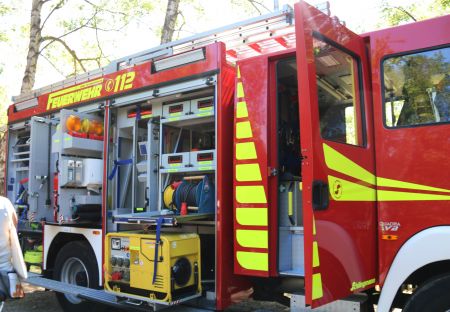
[
  {"x": 178, "y": 109},
  {"x": 203, "y": 159},
  {"x": 175, "y": 161},
  {"x": 203, "y": 106}
]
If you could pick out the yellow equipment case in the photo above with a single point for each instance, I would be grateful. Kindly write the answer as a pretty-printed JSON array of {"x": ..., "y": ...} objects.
[{"x": 130, "y": 265}]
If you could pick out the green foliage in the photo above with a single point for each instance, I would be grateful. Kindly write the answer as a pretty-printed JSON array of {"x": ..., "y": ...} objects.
[
  {"x": 83, "y": 26},
  {"x": 3, "y": 106},
  {"x": 3, "y": 11},
  {"x": 393, "y": 15}
]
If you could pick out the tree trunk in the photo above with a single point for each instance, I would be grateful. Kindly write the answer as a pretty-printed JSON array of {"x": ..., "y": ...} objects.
[
  {"x": 170, "y": 21},
  {"x": 33, "y": 47}
]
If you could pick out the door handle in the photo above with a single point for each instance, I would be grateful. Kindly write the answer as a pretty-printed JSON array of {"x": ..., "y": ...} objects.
[{"x": 320, "y": 195}]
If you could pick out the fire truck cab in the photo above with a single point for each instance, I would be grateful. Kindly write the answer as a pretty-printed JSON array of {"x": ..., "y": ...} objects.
[{"x": 283, "y": 156}]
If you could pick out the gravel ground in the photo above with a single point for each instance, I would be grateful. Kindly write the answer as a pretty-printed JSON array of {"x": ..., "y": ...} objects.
[{"x": 38, "y": 299}]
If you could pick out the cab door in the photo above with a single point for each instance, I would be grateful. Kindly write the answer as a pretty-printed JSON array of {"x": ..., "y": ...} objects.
[{"x": 337, "y": 158}]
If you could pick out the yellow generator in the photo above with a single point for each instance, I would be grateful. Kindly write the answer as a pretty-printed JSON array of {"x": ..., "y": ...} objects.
[{"x": 131, "y": 270}]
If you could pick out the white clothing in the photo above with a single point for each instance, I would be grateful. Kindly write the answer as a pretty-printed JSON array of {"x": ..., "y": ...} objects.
[{"x": 11, "y": 258}]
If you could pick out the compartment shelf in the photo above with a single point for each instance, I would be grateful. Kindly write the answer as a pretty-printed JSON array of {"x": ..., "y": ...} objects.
[
  {"x": 169, "y": 219},
  {"x": 22, "y": 145},
  {"x": 21, "y": 153},
  {"x": 81, "y": 146},
  {"x": 20, "y": 159},
  {"x": 22, "y": 169},
  {"x": 188, "y": 120},
  {"x": 208, "y": 168}
]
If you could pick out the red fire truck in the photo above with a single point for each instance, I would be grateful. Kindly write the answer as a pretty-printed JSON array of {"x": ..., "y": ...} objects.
[{"x": 283, "y": 157}]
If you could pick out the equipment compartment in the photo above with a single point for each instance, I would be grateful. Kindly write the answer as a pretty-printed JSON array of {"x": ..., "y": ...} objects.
[
  {"x": 176, "y": 156},
  {"x": 81, "y": 146},
  {"x": 131, "y": 268}
]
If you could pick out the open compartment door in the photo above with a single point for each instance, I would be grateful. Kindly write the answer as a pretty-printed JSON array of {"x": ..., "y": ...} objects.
[
  {"x": 251, "y": 205},
  {"x": 41, "y": 169},
  {"x": 338, "y": 162}
]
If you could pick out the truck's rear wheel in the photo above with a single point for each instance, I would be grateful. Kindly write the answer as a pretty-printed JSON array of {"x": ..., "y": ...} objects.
[
  {"x": 431, "y": 296},
  {"x": 76, "y": 264}
]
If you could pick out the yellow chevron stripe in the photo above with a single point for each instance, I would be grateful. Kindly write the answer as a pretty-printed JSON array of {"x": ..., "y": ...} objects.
[
  {"x": 317, "y": 291},
  {"x": 253, "y": 194},
  {"x": 241, "y": 110},
  {"x": 340, "y": 163},
  {"x": 408, "y": 196},
  {"x": 240, "y": 90},
  {"x": 252, "y": 216},
  {"x": 243, "y": 130},
  {"x": 252, "y": 238},
  {"x": 245, "y": 150},
  {"x": 253, "y": 260},
  {"x": 248, "y": 172},
  {"x": 314, "y": 226},
  {"x": 408, "y": 185},
  {"x": 316, "y": 261},
  {"x": 343, "y": 190}
]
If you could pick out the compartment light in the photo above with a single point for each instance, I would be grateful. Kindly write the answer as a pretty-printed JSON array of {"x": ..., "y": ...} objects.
[{"x": 328, "y": 60}]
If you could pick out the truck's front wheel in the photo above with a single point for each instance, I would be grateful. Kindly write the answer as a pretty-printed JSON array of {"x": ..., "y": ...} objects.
[
  {"x": 76, "y": 264},
  {"x": 431, "y": 296}
]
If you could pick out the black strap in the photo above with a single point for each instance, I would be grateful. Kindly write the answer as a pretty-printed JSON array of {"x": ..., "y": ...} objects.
[{"x": 159, "y": 223}]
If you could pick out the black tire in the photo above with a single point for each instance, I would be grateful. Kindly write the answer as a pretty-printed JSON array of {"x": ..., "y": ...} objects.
[
  {"x": 432, "y": 296},
  {"x": 76, "y": 263}
]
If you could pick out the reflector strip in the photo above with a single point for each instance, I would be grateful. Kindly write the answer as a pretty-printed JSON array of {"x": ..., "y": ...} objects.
[
  {"x": 290, "y": 208},
  {"x": 251, "y": 194},
  {"x": 343, "y": 190},
  {"x": 251, "y": 216},
  {"x": 407, "y": 185},
  {"x": 245, "y": 151},
  {"x": 248, "y": 172},
  {"x": 240, "y": 90},
  {"x": 243, "y": 130},
  {"x": 253, "y": 260},
  {"x": 338, "y": 162},
  {"x": 314, "y": 226},
  {"x": 252, "y": 238},
  {"x": 241, "y": 110},
  {"x": 408, "y": 196},
  {"x": 316, "y": 261},
  {"x": 317, "y": 291}
]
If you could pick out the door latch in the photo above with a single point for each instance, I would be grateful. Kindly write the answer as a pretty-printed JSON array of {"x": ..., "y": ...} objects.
[{"x": 320, "y": 195}]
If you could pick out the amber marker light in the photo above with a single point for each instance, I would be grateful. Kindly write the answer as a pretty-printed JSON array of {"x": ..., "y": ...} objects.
[{"x": 389, "y": 237}]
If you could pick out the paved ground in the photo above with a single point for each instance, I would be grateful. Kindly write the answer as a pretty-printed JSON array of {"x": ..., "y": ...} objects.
[{"x": 37, "y": 299}]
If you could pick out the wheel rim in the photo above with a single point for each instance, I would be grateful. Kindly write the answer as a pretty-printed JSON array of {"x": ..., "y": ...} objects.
[{"x": 74, "y": 272}]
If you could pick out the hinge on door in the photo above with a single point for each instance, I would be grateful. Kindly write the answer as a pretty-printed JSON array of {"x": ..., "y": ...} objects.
[{"x": 272, "y": 171}]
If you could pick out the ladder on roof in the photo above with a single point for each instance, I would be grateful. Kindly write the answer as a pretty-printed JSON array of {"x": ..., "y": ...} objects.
[{"x": 262, "y": 34}]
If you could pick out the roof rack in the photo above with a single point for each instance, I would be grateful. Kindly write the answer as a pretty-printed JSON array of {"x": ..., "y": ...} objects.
[{"x": 266, "y": 33}]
